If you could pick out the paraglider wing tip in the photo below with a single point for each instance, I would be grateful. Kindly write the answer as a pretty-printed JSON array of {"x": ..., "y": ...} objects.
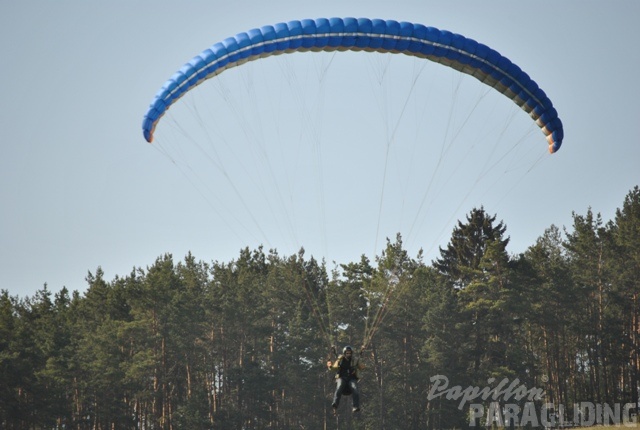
[
  {"x": 148, "y": 127},
  {"x": 554, "y": 142},
  {"x": 148, "y": 135}
]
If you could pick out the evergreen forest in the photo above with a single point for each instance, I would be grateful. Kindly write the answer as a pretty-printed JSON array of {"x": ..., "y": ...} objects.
[{"x": 187, "y": 344}]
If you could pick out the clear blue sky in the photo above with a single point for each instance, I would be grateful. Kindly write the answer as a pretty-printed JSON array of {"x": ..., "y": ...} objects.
[{"x": 80, "y": 188}]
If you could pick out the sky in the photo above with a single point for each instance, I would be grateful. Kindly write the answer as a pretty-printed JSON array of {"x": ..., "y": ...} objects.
[{"x": 385, "y": 151}]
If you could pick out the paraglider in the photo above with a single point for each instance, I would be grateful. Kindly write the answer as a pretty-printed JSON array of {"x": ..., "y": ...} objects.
[
  {"x": 362, "y": 34},
  {"x": 452, "y": 50},
  {"x": 346, "y": 367}
]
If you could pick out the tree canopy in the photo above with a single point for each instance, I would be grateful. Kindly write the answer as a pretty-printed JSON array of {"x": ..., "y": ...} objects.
[{"x": 243, "y": 344}]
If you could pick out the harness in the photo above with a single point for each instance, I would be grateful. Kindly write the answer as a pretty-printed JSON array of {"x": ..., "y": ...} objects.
[{"x": 347, "y": 369}]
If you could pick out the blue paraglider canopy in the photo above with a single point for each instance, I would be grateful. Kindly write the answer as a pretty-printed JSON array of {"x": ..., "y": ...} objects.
[{"x": 362, "y": 34}]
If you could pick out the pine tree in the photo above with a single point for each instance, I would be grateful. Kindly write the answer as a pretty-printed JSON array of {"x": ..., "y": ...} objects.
[
  {"x": 476, "y": 265},
  {"x": 627, "y": 274},
  {"x": 548, "y": 305},
  {"x": 589, "y": 254},
  {"x": 9, "y": 362}
]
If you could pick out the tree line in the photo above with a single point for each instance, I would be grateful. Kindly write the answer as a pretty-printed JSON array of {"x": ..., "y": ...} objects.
[{"x": 243, "y": 344}]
